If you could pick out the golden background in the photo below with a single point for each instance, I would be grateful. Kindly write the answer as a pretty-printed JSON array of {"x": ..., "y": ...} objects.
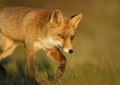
[{"x": 96, "y": 57}]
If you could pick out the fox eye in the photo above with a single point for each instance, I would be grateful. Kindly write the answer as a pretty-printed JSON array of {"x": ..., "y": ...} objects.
[
  {"x": 62, "y": 36},
  {"x": 72, "y": 37}
]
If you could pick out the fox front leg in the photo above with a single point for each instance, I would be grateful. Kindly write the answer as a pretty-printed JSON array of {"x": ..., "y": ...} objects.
[
  {"x": 29, "y": 62},
  {"x": 31, "y": 80},
  {"x": 58, "y": 56}
]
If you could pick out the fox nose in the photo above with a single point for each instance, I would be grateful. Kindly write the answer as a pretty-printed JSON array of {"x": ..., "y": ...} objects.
[{"x": 70, "y": 51}]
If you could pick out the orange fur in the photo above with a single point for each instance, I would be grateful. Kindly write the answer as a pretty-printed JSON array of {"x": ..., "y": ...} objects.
[{"x": 37, "y": 29}]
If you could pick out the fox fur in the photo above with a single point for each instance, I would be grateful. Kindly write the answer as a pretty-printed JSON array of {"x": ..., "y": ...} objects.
[{"x": 37, "y": 29}]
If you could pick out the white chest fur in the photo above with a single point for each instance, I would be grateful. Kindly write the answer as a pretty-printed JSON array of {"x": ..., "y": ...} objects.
[{"x": 45, "y": 44}]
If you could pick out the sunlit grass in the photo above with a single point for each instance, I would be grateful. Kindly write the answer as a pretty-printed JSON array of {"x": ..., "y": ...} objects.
[
  {"x": 96, "y": 57},
  {"x": 86, "y": 73}
]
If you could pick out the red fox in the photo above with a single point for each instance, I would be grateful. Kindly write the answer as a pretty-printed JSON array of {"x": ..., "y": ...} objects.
[{"x": 37, "y": 29}]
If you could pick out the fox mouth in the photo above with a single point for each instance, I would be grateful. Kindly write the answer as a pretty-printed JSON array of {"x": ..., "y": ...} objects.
[
  {"x": 59, "y": 47},
  {"x": 65, "y": 49}
]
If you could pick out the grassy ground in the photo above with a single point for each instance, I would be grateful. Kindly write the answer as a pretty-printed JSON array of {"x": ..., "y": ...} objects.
[
  {"x": 96, "y": 57},
  {"x": 91, "y": 72}
]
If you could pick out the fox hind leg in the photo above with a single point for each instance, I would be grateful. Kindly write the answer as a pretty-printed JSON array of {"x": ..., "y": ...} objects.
[
  {"x": 2, "y": 72},
  {"x": 58, "y": 56},
  {"x": 6, "y": 48},
  {"x": 7, "y": 52}
]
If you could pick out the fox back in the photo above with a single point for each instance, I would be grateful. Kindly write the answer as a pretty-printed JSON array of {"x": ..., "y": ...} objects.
[{"x": 15, "y": 21}]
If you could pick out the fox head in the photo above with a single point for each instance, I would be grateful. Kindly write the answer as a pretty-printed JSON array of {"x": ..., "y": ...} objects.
[{"x": 62, "y": 30}]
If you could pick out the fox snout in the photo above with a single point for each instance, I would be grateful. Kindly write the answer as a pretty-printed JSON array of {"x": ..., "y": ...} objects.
[
  {"x": 67, "y": 47},
  {"x": 67, "y": 50}
]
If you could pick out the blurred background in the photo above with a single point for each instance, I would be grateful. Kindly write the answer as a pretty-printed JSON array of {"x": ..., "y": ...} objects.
[{"x": 96, "y": 57}]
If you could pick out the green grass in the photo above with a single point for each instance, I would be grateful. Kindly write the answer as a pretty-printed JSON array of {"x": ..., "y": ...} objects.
[
  {"x": 87, "y": 73},
  {"x": 96, "y": 57}
]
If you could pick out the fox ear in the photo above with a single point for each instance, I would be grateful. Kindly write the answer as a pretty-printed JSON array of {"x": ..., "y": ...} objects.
[
  {"x": 75, "y": 20},
  {"x": 57, "y": 17}
]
